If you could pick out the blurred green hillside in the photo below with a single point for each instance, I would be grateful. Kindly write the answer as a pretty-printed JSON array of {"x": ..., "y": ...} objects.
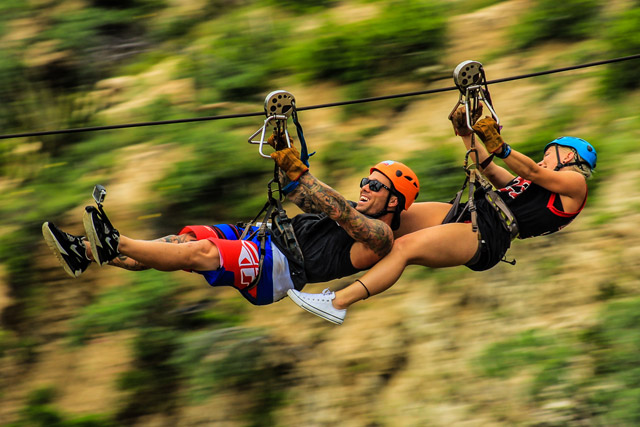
[{"x": 551, "y": 341}]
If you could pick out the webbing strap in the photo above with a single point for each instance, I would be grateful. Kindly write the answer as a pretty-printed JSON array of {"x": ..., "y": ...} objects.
[
  {"x": 304, "y": 151},
  {"x": 262, "y": 238}
]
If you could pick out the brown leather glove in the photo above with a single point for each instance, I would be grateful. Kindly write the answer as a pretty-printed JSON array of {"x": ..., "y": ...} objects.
[
  {"x": 279, "y": 140},
  {"x": 487, "y": 130},
  {"x": 459, "y": 120},
  {"x": 288, "y": 159}
]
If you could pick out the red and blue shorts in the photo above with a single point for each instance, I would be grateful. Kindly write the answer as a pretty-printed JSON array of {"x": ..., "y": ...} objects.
[{"x": 240, "y": 260}]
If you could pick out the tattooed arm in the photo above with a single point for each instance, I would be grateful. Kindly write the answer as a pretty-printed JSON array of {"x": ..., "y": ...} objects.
[
  {"x": 374, "y": 238},
  {"x": 131, "y": 264}
]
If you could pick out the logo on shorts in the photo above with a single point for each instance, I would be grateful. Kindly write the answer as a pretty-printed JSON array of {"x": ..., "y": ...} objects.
[{"x": 249, "y": 263}]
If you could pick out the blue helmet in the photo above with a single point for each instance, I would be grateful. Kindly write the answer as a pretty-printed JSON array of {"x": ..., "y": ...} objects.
[{"x": 584, "y": 149}]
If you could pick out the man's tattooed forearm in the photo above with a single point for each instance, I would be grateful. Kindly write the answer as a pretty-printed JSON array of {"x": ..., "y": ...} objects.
[
  {"x": 375, "y": 234},
  {"x": 325, "y": 198},
  {"x": 303, "y": 200}
]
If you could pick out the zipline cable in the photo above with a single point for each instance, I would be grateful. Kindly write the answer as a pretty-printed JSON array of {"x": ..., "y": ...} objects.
[{"x": 314, "y": 107}]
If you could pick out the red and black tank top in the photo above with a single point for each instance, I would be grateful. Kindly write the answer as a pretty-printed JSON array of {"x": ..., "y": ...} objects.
[{"x": 537, "y": 210}]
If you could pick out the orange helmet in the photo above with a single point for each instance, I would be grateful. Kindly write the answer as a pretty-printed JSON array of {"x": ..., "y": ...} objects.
[{"x": 403, "y": 180}]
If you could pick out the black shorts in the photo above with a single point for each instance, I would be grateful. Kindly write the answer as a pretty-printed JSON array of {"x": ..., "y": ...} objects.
[{"x": 496, "y": 240}]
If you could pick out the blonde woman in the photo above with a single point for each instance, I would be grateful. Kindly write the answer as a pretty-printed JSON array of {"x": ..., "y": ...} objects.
[{"x": 543, "y": 197}]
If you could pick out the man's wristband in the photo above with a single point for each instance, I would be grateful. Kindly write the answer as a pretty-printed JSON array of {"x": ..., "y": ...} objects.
[
  {"x": 504, "y": 153},
  {"x": 292, "y": 185}
]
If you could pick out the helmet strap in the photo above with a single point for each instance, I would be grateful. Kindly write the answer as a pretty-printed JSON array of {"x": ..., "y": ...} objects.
[
  {"x": 561, "y": 165},
  {"x": 384, "y": 211}
]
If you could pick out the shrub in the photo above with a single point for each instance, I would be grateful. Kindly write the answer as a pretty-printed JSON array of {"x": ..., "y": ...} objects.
[
  {"x": 39, "y": 411},
  {"x": 140, "y": 6},
  {"x": 547, "y": 355},
  {"x": 623, "y": 39},
  {"x": 345, "y": 159},
  {"x": 238, "y": 360},
  {"x": 302, "y": 6},
  {"x": 153, "y": 383},
  {"x": 143, "y": 302},
  {"x": 556, "y": 20},
  {"x": 405, "y": 36},
  {"x": 613, "y": 392},
  {"x": 95, "y": 40},
  {"x": 239, "y": 62},
  {"x": 223, "y": 180},
  {"x": 440, "y": 171}
]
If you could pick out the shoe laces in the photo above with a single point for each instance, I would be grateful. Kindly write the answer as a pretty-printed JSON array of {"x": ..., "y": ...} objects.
[{"x": 328, "y": 293}]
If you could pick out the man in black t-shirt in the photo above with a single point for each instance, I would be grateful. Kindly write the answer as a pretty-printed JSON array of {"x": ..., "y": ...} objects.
[{"x": 336, "y": 237}]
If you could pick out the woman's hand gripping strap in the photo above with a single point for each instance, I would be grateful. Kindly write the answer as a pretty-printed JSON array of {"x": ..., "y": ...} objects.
[{"x": 489, "y": 132}]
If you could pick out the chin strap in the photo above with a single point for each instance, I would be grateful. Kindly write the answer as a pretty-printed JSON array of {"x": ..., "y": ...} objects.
[
  {"x": 384, "y": 211},
  {"x": 561, "y": 165}
]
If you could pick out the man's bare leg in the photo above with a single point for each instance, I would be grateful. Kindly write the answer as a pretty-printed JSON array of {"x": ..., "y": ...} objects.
[
  {"x": 199, "y": 255},
  {"x": 131, "y": 264}
]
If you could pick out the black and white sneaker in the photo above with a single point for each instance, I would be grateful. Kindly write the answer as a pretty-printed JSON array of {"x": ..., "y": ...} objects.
[
  {"x": 104, "y": 238},
  {"x": 69, "y": 249}
]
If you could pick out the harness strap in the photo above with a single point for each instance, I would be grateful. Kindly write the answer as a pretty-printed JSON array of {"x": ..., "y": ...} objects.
[
  {"x": 304, "y": 151},
  {"x": 282, "y": 234},
  {"x": 247, "y": 234},
  {"x": 507, "y": 218}
]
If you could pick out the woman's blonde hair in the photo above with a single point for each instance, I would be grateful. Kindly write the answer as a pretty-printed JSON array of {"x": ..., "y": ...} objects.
[{"x": 581, "y": 166}]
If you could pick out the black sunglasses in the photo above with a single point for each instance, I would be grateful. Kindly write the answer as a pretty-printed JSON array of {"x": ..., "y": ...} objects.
[{"x": 374, "y": 185}]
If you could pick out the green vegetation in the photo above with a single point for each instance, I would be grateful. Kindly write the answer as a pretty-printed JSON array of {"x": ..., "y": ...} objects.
[
  {"x": 405, "y": 36},
  {"x": 239, "y": 61},
  {"x": 557, "y": 120},
  {"x": 236, "y": 51},
  {"x": 153, "y": 383},
  {"x": 568, "y": 20},
  {"x": 546, "y": 358},
  {"x": 220, "y": 181},
  {"x": 623, "y": 40},
  {"x": 440, "y": 170},
  {"x": 143, "y": 302},
  {"x": 346, "y": 159},
  {"x": 39, "y": 411},
  {"x": 615, "y": 346},
  {"x": 302, "y": 6},
  {"x": 468, "y": 6},
  {"x": 611, "y": 349}
]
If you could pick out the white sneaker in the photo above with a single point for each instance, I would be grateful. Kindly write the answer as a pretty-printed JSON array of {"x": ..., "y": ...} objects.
[{"x": 319, "y": 304}]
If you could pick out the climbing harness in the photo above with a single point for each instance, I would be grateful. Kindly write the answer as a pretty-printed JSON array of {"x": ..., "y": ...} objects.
[
  {"x": 275, "y": 222},
  {"x": 471, "y": 81},
  {"x": 279, "y": 106}
]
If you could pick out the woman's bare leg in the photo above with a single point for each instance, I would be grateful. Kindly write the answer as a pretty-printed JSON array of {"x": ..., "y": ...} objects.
[
  {"x": 440, "y": 246},
  {"x": 422, "y": 215}
]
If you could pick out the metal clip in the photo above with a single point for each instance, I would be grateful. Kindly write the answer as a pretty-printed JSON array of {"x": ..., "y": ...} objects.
[
  {"x": 99, "y": 193},
  {"x": 469, "y": 77},
  {"x": 278, "y": 106}
]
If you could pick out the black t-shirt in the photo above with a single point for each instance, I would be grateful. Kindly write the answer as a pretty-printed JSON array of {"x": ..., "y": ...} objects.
[
  {"x": 326, "y": 247},
  {"x": 537, "y": 210}
]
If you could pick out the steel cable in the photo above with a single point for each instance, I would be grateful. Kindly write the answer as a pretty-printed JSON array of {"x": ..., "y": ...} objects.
[{"x": 313, "y": 107}]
